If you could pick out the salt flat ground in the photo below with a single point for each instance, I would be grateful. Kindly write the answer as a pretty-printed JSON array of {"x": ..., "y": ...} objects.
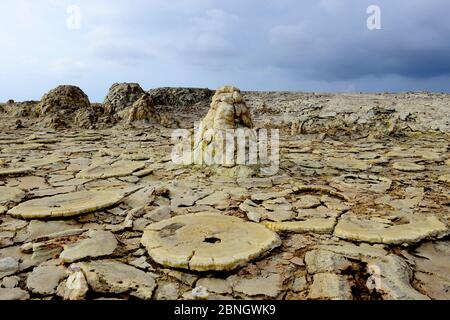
[{"x": 361, "y": 203}]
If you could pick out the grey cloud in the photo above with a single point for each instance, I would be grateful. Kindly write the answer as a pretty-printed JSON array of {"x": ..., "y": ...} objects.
[
  {"x": 125, "y": 55},
  {"x": 335, "y": 47},
  {"x": 315, "y": 45}
]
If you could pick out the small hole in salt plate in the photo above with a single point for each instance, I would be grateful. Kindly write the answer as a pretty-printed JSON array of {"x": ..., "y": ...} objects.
[{"x": 212, "y": 240}]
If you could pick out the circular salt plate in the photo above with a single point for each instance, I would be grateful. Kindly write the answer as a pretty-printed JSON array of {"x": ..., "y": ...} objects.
[
  {"x": 207, "y": 241},
  {"x": 66, "y": 205}
]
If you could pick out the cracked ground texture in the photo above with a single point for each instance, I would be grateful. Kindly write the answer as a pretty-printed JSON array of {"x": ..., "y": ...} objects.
[{"x": 360, "y": 204}]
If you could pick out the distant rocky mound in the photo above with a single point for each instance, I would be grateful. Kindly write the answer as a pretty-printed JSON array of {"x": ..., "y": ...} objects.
[
  {"x": 66, "y": 106},
  {"x": 20, "y": 109},
  {"x": 122, "y": 96},
  {"x": 350, "y": 114},
  {"x": 180, "y": 96}
]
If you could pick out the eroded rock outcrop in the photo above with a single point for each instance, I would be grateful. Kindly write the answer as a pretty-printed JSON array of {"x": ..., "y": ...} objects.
[
  {"x": 66, "y": 106},
  {"x": 143, "y": 110},
  {"x": 180, "y": 96},
  {"x": 122, "y": 96}
]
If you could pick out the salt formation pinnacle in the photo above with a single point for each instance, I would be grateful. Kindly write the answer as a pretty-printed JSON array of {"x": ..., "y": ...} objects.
[{"x": 228, "y": 111}]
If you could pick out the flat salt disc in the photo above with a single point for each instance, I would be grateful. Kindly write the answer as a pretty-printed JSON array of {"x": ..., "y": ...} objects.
[
  {"x": 11, "y": 194},
  {"x": 118, "y": 169},
  {"x": 207, "y": 241},
  {"x": 66, "y": 205},
  {"x": 14, "y": 171}
]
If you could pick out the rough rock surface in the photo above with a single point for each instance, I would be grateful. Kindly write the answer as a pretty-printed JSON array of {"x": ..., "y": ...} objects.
[
  {"x": 330, "y": 286},
  {"x": 205, "y": 242},
  {"x": 13, "y": 294},
  {"x": 180, "y": 96},
  {"x": 66, "y": 106},
  {"x": 45, "y": 279},
  {"x": 143, "y": 110},
  {"x": 122, "y": 96},
  {"x": 97, "y": 244},
  {"x": 114, "y": 277},
  {"x": 381, "y": 232},
  {"x": 360, "y": 229},
  {"x": 66, "y": 205}
]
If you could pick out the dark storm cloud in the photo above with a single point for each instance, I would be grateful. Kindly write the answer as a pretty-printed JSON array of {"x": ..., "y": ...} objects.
[
  {"x": 308, "y": 45},
  {"x": 335, "y": 43}
]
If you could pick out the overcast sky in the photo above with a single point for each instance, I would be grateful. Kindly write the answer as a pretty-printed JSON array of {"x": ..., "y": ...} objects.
[{"x": 308, "y": 45}]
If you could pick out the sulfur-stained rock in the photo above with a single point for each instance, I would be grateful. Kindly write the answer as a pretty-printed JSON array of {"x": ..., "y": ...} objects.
[
  {"x": 121, "y": 96},
  {"x": 15, "y": 171},
  {"x": 276, "y": 212},
  {"x": 265, "y": 285},
  {"x": 97, "y": 244},
  {"x": 13, "y": 294},
  {"x": 445, "y": 178},
  {"x": 143, "y": 110},
  {"x": 10, "y": 282},
  {"x": 263, "y": 196},
  {"x": 418, "y": 229},
  {"x": 8, "y": 266},
  {"x": 314, "y": 225},
  {"x": 67, "y": 106},
  {"x": 319, "y": 212},
  {"x": 117, "y": 169},
  {"x": 392, "y": 277},
  {"x": 321, "y": 189},
  {"x": 348, "y": 164},
  {"x": 432, "y": 269},
  {"x": 228, "y": 110},
  {"x": 44, "y": 229},
  {"x": 167, "y": 291},
  {"x": 75, "y": 287},
  {"x": 362, "y": 182},
  {"x": 330, "y": 286},
  {"x": 66, "y": 205},
  {"x": 109, "y": 276},
  {"x": 307, "y": 202},
  {"x": 204, "y": 242},
  {"x": 215, "y": 285},
  {"x": 362, "y": 252},
  {"x": 45, "y": 279},
  {"x": 408, "y": 166},
  {"x": 318, "y": 261},
  {"x": 300, "y": 284},
  {"x": 217, "y": 199},
  {"x": 8, "y": 194}
]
